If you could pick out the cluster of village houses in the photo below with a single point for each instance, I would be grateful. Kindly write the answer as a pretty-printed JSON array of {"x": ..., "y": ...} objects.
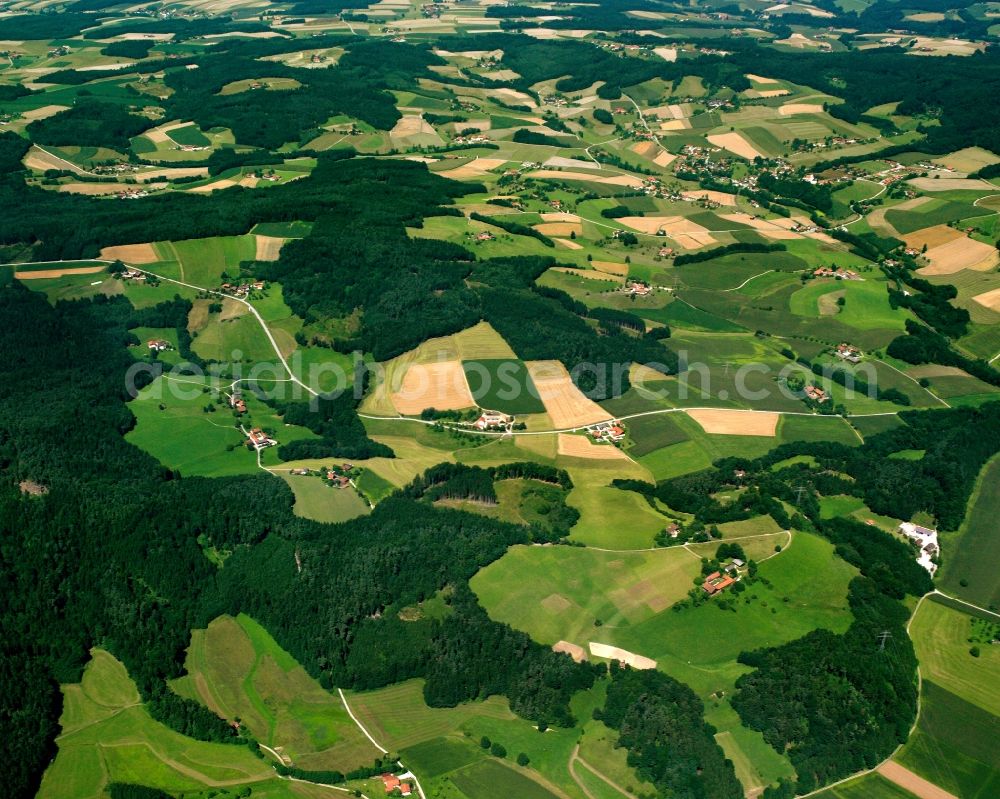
[
  {"x": 636, "y": 288},
  {"x": 473, "y": 138},
  {"x": 158, "y": 345},
  {"x": 337, "y": 476},
  {"x": 242, "y": 290},
  {"x": 493, "y": 420},
  {"x": 257, "y": 439},
  {"x": 393, "y": 783},
  {"x": 927, "y": 540},
  {"x": 848, "y": 352},
  {"x": 610, "y": 431},
  {"x": 132, "y": 194},
  {"x": 717, "y": 582},
  {"x": 836, "y": 272},
  {"x": 133, "y": 274}
]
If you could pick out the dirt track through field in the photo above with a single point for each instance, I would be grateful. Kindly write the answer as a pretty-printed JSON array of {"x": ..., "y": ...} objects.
[{"x": 913, "y": 783}]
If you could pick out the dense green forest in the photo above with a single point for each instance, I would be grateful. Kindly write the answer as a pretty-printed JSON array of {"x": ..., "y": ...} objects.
[
  {"x": 661, "y": 723},
  {"x": 109, "y": 554}
]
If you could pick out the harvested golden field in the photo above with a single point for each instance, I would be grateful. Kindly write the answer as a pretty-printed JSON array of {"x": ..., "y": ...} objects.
[
  {"x": 967, "y": 160},
  {"x": 687, "y": 234},
  {"x": 44, "y": 112},
  {"x": 723, "y": 421},
  {"x": 759, "y": 79},
  {"x": 95, "y": 189},
  {"x": 932, "y": 236},
  {"x": 40, "y": 274},
  {"x": 42, "y": 160},
  {"x": 575, "y": 446},
  {"x": 131, "y": 253},
  {"x": 736, "y": 143},
  {"x": 474, "y": 169},
  {"x": 720, "y": 197},
  {"x": 622, "y": 655},
  {"x": 569, "y": 244},
  {"x": 773, "y": 93},
  {"x": 559, "y": 228},
  {"x": 675, "y": 124},
  {"x": 589, "y": 274},
  {"x": 788, "y": 109},
  {"x": 764, "y": 226},
  {"x": 664, "y": 159},
  {"x": 913, "y": 783},
  {"x": 436, "y": 385},
  {"x": 578, "y": 653},
  {"x": 565, "y": 404},
  {"x": 569, "y": 163},
  {"x": 481, "y": 342},
  {"x": 559, "y": 216},
  {"x": 616, "y": 180},
  {"x": 950, "y": 184},
  {"x": 611, "y": 268},
  {"x": 215, "y": 185},
  {"x": 989, "y": 299},
  {"x": 963, "y": 253},
  {"x": 647, "y": 149},
  {"x": 269, "y": 248}
]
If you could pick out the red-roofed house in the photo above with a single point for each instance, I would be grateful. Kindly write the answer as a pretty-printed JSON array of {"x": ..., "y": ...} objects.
[{"x": 391, "y": 782}]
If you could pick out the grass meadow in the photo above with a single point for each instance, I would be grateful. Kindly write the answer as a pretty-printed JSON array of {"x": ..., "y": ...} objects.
[
  {"x": 971, "y": 553},
  {"x": 954, "y": 745},
  {"x": 108, "y": 736},
  {"x": 870, "y": 786},
  {"x": 236, "y": 669},
  {"x": 941, "y": 636},
  {"x": 314, "y": 499},
  {"x": 560, "y": 593}
]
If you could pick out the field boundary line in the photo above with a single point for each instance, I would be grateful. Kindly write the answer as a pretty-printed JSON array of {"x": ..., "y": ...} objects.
[{"x": 361, "y": 726}]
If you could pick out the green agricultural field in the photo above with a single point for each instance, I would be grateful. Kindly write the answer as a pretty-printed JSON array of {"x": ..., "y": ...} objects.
[
  {"x": 202, "y": 261},
  {"x": 234, "y": 339},
  {"x": 503, "y": 385},
  {"x": 653, "y": 432},
  {"x": 870, "y": 786},
  {"x": 189, "y": 136},
  {"x": 700, "y": 645},
  {"x": 954, "y": 745},
  {"x": 398, "y": 717},
  {"x": 866, "y": 303},
  {"x": 969, "y": 569},
  {"x": 108, "y": 736},
  {"x": 731, "y": 271},
  {"x": 172, "y": 425},
  {"x": 441, "y": 755},
  {"x": 490, "y": 778},
  {"x": 817, "y": 428},
  {"x": 838, "y": 506},
  {"x": 316, "y": 500},
  {"x": 593, "y": 496},
  {"x": 942, "y": 637},
  {"x": 935, "y": 212},
  {"x": 236, "y": 669},
  {"x": 373, "y": 486},
  {"x": 557, "y": 594}
]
